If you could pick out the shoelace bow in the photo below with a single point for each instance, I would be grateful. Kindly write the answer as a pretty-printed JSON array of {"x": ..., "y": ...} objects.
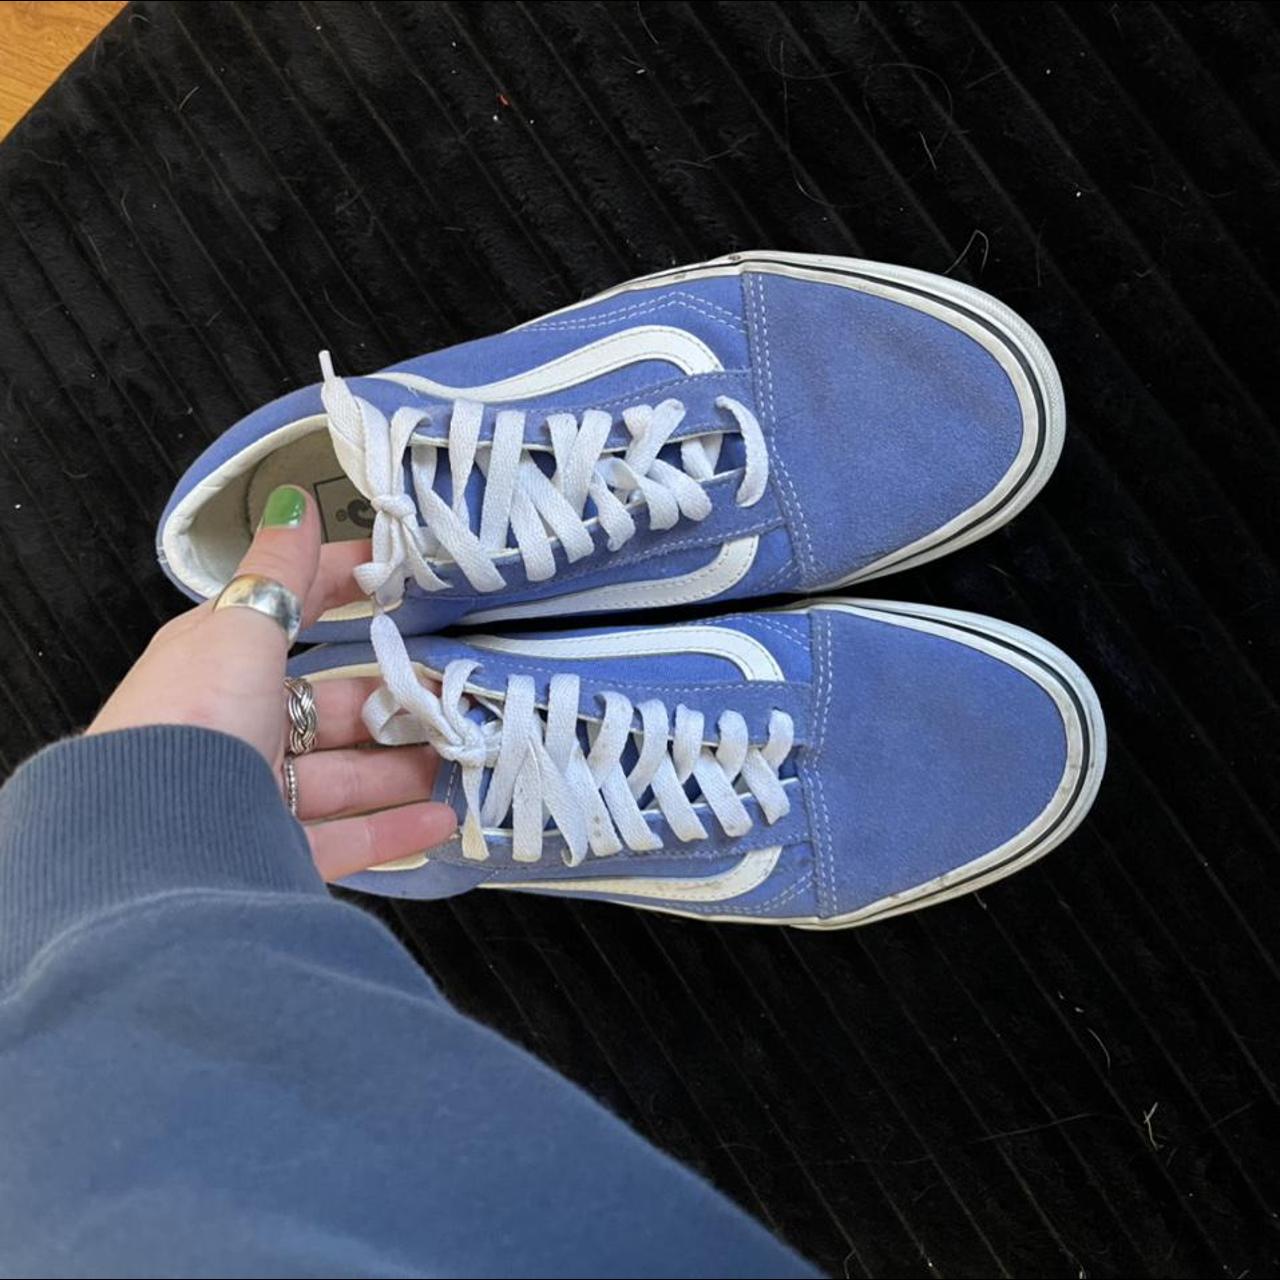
[
  {"x": 520, "y": 499},
  {"x": 539, "y": 768}
]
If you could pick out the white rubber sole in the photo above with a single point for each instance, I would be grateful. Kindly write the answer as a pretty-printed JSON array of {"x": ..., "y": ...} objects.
[
  {"x": 1083, "y": 725},
  {"x": 1009, "y": 338}
]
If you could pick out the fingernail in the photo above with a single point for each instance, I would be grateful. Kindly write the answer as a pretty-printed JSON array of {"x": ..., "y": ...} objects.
[{"x": 285, "y": 508}]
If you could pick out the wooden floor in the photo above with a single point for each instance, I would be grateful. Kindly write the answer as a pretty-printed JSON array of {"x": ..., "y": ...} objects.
[{"x": 38, "y": 38}]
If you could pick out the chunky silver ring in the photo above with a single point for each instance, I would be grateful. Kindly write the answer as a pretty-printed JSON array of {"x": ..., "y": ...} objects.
[
  {"x": 303, "y": 721},
  {"x": 290, "y": 772},
  {"x": 263, "y": 595}
]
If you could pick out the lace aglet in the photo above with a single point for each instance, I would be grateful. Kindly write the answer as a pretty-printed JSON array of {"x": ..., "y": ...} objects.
[{"x": 474, "y": 846}]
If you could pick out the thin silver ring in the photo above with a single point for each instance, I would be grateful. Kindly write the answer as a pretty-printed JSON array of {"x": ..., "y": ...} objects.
[
  {"x": 303, "y": 721},
  {"x": 290, "y": 773},
  {"x": 266, "y": 596}
]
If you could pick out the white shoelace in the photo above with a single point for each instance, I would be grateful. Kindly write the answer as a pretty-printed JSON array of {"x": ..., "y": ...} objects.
[
  {"x": 539, "y": 768},
  {"x": 520, "y": 499}
]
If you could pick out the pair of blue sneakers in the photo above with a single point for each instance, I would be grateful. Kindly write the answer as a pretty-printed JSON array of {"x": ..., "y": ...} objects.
[{"x": 759, "y": 424}]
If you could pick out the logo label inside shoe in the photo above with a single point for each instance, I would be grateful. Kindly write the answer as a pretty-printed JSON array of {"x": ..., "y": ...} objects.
[{"x": 345, "y": 513}]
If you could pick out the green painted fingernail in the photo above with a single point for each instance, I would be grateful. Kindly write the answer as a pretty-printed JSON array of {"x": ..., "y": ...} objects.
[{"x": 285, "y": 508}]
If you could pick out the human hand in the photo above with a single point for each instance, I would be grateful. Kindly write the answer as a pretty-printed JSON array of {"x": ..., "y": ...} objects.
[{"x": 224, "y": 669}]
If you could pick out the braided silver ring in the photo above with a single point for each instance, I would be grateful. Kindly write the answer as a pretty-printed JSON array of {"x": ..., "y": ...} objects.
[
  {"x": 290, "y": 772},
  {"x": 303, "y": 721}
]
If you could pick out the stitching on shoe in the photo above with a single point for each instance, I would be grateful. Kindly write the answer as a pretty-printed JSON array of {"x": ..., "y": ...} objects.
[
  {"x": 823, "y": 689},
  {"x": 711, "y": 310},
  {"x": 754, "y": 293}
]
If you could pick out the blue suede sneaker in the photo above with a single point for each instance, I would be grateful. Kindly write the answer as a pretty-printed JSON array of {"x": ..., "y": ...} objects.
[
  {"x": 822, "y": 766},
  {"x": 762, "y": 423}
]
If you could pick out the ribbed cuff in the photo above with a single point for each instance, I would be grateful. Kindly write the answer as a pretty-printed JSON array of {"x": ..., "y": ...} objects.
[{"x": 94, "y": 823}]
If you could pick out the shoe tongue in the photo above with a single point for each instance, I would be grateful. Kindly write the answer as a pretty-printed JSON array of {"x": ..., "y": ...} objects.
[
  {"x": 387, "y": 397},
  {"x": 374, "y": 394},
  {"x": 448, "y": 782},
  {"x": 730, "y": 459}
]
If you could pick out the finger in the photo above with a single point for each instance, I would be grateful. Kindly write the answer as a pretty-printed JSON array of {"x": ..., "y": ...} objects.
[
  {"x": 335, "y": 583},
  {"x": 347, "y": 845},
  {"x": 340, "y": 708},
  {"x": 286, "y": 549},
  {"x": 353, "y": 781}
]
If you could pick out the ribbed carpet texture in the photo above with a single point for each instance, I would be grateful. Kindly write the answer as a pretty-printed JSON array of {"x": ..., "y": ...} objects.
[{"x": 1074, "y": 1073}]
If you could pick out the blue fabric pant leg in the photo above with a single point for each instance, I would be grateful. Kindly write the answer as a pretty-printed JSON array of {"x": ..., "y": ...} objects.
[{"x": 210, "y": 1067}]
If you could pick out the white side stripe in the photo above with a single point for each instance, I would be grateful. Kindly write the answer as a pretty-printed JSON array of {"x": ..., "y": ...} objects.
[
  {"x": 753, "y": 870},
  {"x": 730, "y": 566},
  {"x": 751, "y": 657},
  {"x": 632, "y": 346}
]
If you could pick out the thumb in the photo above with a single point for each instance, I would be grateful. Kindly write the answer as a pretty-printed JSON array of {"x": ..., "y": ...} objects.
[
  {"x": 286, "y": 548},
  {"x": 242, "y": 652},
  {"x": 224, "y": 668}
]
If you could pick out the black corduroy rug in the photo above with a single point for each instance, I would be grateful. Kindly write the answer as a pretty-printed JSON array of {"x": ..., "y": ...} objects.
[{"x": 1075, "y": 1073}]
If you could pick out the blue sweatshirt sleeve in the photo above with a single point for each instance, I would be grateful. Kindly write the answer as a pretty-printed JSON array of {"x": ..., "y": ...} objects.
[{"x": 208, "y": 1066}]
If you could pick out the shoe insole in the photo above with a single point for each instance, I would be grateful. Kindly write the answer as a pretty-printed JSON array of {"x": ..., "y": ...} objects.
[{"x": 309, "y": 463}]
